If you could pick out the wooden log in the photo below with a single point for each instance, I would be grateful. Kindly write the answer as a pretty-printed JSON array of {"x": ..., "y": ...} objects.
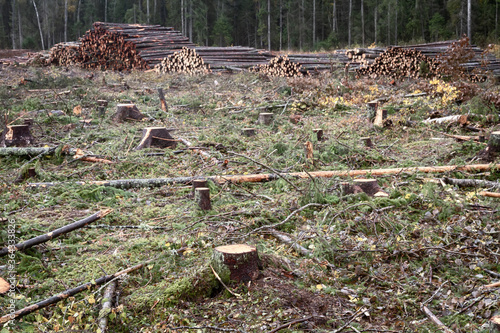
[
  {"x": 248, "y": 131},
  {"x": 68, "y": 293},
  {"x": 202, "y": 197},
  {"x": 18, "y": 136},
  {"x": 126, "y": 112},
  {"x": 53, "y": 234},
  {"x": 461, "y": 119},
  {"x": 240, "y": 260},
  {"x": 106, "y": 306},
  {"x": 156, "y": 182},
  {"x": 490, "y": 194},
  {"x": 156, "y": 137},
  {"x": 265, "y": 118}
]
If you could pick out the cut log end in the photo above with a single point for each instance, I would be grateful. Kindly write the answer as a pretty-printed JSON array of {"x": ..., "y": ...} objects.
[{"x": 242, "y": 261}]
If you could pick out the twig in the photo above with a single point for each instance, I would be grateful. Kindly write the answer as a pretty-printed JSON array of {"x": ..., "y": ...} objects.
[
  {"x": 220, "y": 280},
  {"x": 287, "y": 325},
  {"x": 267, "y": 167},
  {"x": 436, "y": 320},
  {"x": 68, "y": 293},
  {"x": 356, "y": 314},
  {"x": 435, "y": 293},
  {"x": 53, "y": 234},
  {"x": 285, "y": 220}
]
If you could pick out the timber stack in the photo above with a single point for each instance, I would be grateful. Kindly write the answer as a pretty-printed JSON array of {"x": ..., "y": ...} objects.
[
  {"x": 280, "y": 66},
  {"x": 64, "y": 54},
  {"x": 183, "y": 61}
]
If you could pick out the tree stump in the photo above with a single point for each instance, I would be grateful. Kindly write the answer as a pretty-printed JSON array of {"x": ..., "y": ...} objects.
[
  {"x": 127, "y": 112},
  {"x": 239, "y": 260},
  {"x": 158, "y": 137},
  {"x": 18, "y": 136},
  {"x": 202, "y": 197},
  {"x": 197, "y": 183},
  {"x": 490, "y": 153},
  {"x": 101, "y": 110},
  {"x": 368, "y": 186},
  {"x": 248, "y": 131},
  {"x": 163, "y": 102},
  {"x": 319, "y": 133},
  {"x": 309, "y": 151},
  {"x": 265, "y": 118},
  {"x": 495, "y": 323},
  {"x": 102, "y": 102},
  {"x": 368, "y": 141},
  {"x": 29, "y": 121},
  {"x": 380, "y": 117}
]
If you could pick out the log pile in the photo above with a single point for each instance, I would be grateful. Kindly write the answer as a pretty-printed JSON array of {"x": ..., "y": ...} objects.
[
  {"x": 184, "y": 61},
  {"x": 64, "y": 54},
  {"x": 280, "y": 66},
  {"x": 398, "y": 62},
  {"x": 127, "y": 46}
]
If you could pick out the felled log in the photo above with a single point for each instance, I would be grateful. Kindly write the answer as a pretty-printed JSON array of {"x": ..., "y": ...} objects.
[
  {"x": 280, "y": 66},
  {"x": 490, "y": 194},
  {"x": 33, "y": 151},
  {"x": 127, "y": 112},
  {"x": 68, "y": 293},
  {"x": 222, "y": 179},
  {"x": 53, "y": 234},
  {"x": 471, "y": 182},
  {"x": 461, "y": 119},
  {"x": 240, "y": 260},
  {"x": 106, "y": 306},
  {"x": 158, "y": 137},
  {"x": 18, "y": 136},
  {"x": 183, "y": 61}
]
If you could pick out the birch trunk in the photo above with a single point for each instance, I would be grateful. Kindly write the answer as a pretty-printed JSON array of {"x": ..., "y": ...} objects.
[{"x": 39, "y": 24}]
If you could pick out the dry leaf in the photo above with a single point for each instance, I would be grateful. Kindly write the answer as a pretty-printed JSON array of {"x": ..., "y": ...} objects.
[
  {"x": 4, "y": 286},
  {"x": 77, "y": 110}
]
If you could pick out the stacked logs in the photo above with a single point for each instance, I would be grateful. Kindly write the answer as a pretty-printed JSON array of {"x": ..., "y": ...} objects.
[
  {"x": 127, "y": 46},
  {"x": 280, "y": 66},
  {"x": 398, "y": 63},
  {"x": 184, "y": 61},
  {"x": 64, "y": 54},
  {"x": 363, "y": 56}
]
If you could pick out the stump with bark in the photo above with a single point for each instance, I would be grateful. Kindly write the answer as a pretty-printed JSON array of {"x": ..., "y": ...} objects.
[
  {"x": 127, "y": 112},
  {"x": 202, "y": 197},
  {"x": 198, "y": 183},
  {"x": 158, "y": 137},
  {"x": 319, "y": 133},
  {"x": 240, "y": 261},
  {"x": 490, "y": 153},
  {"x": 248, "y": 131},
  {"x": 362, "y": 185},
  {"x": 18, "y": 136},
  {"x": 265, "y": 118}
]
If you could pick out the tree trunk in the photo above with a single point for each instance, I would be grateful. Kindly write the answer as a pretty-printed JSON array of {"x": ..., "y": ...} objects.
[
  {"x": 375, "y": 15},
  {"x": 147, "y": 10},
  {"x": 39, "y": 25},
  {"x": 20, "y": 26},
  {"x": 66, "y": 21},
  {"x": 314, "y": 22},
  {"x": 13, "y": 17},
  {"x": 269, "y": 25},
  {"x": 469, "y": 19},
  {"x": 349, "y": 24},
  {"x": 281, "y": 25},
  {"x": 362, "y": 23},
  {"x": 396, "y": 25},
  {"x": 334, "y": 16},
  {"x": 182, "y": 18},
  {"x": 389, "y": 24}
]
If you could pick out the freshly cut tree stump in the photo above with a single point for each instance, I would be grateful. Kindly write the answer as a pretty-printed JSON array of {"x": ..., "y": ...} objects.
[
  {"x": 156, "y": 137},
  {"x": 239, "y": 260},
  {"x": 265, "y": 118},
  {"x": 380, "y": 117},
  {"x": 309, "y": 150},
  {"x": 198, "y": 183},
  {"x": 368, "y": 186},
  {"x": 127, "y": 112},
  {"x": 248, "y": 131},
  {"x": 18, "y": 136},
  {"x": 202, "y": 197},
  {"x": 319, "y": 133}
]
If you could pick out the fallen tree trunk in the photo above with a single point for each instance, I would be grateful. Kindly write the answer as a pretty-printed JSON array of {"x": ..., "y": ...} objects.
[
  {"x": 53, "y": 234},
  {"x": 155, "y": 182},
  {"x": 106, "y": 306},
  {"x": 68, "y": 293},
  {"x": 32, "y": 151},
  {"x": 471, "y": 183}
]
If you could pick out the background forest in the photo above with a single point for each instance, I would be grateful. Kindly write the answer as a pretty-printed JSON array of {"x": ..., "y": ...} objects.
[{"x": 270, "y": 24}]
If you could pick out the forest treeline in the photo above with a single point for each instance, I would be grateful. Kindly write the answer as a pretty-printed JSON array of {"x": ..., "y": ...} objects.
[{"x": 270, "y": 24}]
